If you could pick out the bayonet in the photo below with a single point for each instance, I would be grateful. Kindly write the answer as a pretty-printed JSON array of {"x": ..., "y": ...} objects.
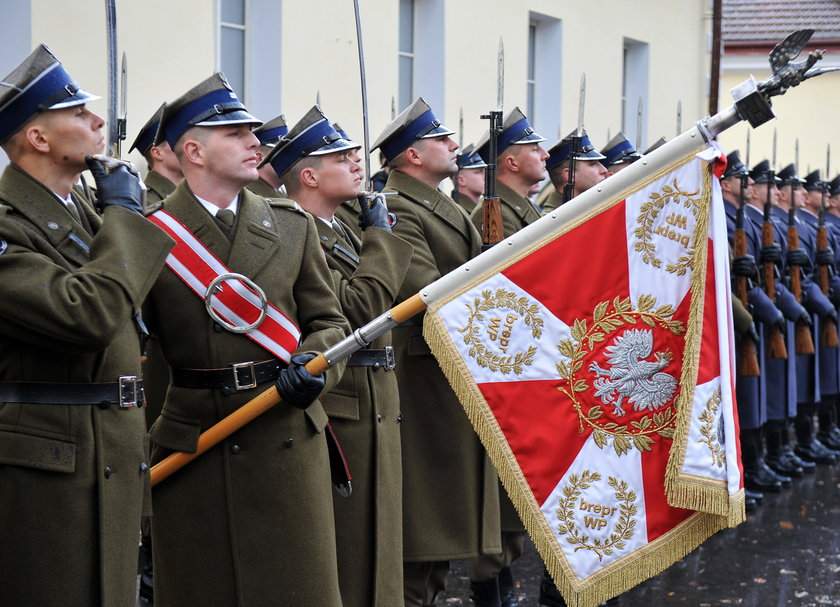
[
  {"x": 492, "y": 229},
  {"x": 581, "y": 105},
  {"x": 639, "y": 109},
  {"x": 113, "y": 90},
  {"x": 393, "y": 107},
  {"x": 747, "y": 156},
  {"x": 679, "y": 117},
  {"x": 461, "y": 129},
  {"x": 500, "y": 80},
  {"x": 363, "y": 83},
  {"x": 773, "y": 163},
  {"x": 575, "y": 143},
  {"x": 796, "y": 156},
  {"x": 318, "y": 98}
]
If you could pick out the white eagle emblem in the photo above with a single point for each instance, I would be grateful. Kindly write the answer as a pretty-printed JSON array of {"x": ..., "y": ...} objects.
[{"x": 630, "y": 376}]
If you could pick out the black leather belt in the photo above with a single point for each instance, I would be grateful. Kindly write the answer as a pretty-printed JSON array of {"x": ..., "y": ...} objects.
[
  {"x": 127, "y": 392},
  {"x": 238, "y": 376},
  {"x": 378, "y": 359}
]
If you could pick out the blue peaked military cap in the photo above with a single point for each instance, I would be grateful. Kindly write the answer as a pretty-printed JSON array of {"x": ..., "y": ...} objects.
[
  {"x": 313, "y": 135},
  {"x": 562, "y": 150},
  {"x": 209, "y": 103},
  {"x": 813, "y": 181},
  {"x": 147, "y": 137},
  {"x": 618, "y": 151},
  {"x": 788, "y": 176},
  {"x": 760, "y": 173},
  {"x": 38, "y": 84},
  {"x": 734, "y": 166},
  {"x": 470, "y": 159},
  {"x": 271, "y": 132},
  {"x": 834, "y": 186},
  {"x": 341, "y": 131},
  {"x": 415, "y": 122},
  {"x": 516, "y": 130}
]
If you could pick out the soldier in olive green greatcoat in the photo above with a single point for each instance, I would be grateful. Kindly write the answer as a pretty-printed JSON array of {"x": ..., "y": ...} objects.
[
  {"x": 588, "y": 169},
  {"x": 73, "y": 459},
  {"x": 364, "y": 407},
  {"x": 270, "y": 134},
  {"x": 250, "y": 522},
  {"x": 469, "y": 180},
  {"x": 450, "y": 489}
]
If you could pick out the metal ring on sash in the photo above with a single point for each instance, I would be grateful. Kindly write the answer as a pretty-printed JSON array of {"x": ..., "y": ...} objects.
[{"x": 214, "y": 287}]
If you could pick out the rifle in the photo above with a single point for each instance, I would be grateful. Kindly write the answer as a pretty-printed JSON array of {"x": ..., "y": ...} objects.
[
  {"x": 776, "y": 343},
  {"x": 575, "y": 145},
  {"x": 803, "y": 341},
  {"x": 828, "y": 332},
  {"x": 748, "y": 367},
  {"x": 491, "y": 207}
]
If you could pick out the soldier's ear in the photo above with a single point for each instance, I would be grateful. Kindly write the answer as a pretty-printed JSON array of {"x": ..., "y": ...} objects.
[
  {"x": 193, "y": 152},
  {"x": 412, "y": 157},
  {"x": 309, "y": 177},
  {"x": 37, "y": 136}
]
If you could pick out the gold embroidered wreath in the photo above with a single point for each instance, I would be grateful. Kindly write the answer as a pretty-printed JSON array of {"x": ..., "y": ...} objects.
[
  {"x": 708, "y": 434},
  {"x": 648, "y": 213}
]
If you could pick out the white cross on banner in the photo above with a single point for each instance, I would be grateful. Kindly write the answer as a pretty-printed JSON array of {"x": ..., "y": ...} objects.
[{"x": 596, "y": 367}]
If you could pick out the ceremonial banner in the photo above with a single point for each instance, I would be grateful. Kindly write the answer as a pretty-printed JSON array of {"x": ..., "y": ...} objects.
[{"x": 588, "y": 360}]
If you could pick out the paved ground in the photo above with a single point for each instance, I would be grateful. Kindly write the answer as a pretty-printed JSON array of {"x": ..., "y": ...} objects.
[{"x": 787, "y": 554}]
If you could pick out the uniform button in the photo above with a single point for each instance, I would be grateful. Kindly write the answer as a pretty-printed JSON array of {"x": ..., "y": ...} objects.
[
  {"x": 144, "y": 467},
  {"x": 108, "y": 471},
  {"x": 399, "y": 418},
  {"x": 379, "y": 418},
  {"x": 217, "y": 327},
  {"x": 235, "y": 449},
  {"x": 288, "y": 443}
]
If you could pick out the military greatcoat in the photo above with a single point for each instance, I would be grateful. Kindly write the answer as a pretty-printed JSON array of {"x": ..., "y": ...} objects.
[
  {"x": 450, "y": 489},
  {"x": 364, "y": 412},
  {"x": 517, "y": 212},
  {"x": 72, "y": 477},
  {"x": 158, "y": 187},
  {"x": 261, "y": 187},
  {"x": 467, "y": 203},
  {"x": 250, "y": 522}
]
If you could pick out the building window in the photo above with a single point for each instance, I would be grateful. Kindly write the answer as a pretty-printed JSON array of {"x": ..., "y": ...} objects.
[
  {"x": 406, "y": 61},
  {"x": 634, "y": 92},
  {"x": 531, "y": 82},
  {"x": 232, "y": 44}
]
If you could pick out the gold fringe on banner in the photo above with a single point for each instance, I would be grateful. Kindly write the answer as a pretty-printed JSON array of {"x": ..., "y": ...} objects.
[{"x": 644, "y": 562}]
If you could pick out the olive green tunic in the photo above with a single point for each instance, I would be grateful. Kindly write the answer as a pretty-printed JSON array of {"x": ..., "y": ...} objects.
[
  {"x": 517, "y": 212},
  {"x": 364, "y": 410},
  {"x": 250, "y": 522},
  {"x": 73, "y": 478},
  {"x": 553, "y": 202},
  {"x": 450, "y": 495},
  {"x": 467, "y": 203},
  {"x": 158, "y": 187},
  {"x": 261, "y": 187}
]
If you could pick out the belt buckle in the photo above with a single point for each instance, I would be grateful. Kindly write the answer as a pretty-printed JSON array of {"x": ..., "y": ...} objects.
[
  {"x": 390, "y": 359},
  {"x": 128, "y": 391},
  {"x": 242, "y": 385}
]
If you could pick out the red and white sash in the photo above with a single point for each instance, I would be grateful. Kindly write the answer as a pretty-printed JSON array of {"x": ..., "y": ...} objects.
[{"x": 236, "y": 303}]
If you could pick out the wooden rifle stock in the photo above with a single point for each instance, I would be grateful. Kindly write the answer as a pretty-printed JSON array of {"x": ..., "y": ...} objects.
[
  {"x": 828, "y": 332},
  {"x": 748, "y": 365},
  {"x": 492, "y": 227},
  {"x": 492, "y": 230},
  {"x": 804, "y": 343},
  {"x": 776, "y": 341}
]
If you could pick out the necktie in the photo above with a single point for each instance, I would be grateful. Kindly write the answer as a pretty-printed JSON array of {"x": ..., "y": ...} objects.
[
  {"x": 226, "y": 218},
  {"x": 74, "y": 211},
  {"x": 342, "y": 234}
]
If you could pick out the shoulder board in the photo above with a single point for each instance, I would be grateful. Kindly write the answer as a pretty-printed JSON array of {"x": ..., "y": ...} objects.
[
  {"x": 284, "y": 203},
  {"x": 152, "y": 207}
]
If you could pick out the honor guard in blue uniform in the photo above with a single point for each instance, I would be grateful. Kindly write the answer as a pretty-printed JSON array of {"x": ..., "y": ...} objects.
[
  {"x": 619, "y": 154},
  {"x": 809, "y": 447},
  {"x": 269, "y": 184},
  {"x": 469, "y": 180},
  {"x": 73, "y": 456},
  {"x": 588, "y": 168}
]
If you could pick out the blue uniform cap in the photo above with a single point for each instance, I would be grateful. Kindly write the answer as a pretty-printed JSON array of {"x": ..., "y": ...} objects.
[
  {"x": 470, "y": 159},
  {"x": 563, "y": 149},
  {"x": 516, "y": 130},
  {"x": 313, "y": 135},
  {"x": 760, "y": 173},
  {"x": 272, "y": 131},
  {"x": 147, "y": 136},
  {"x": 813, "y": 181},
  {"x": 788, "y": 176},
  {"x": 734, "y": 166},
  {"x": 210, "y": 103},
  {"x": 834, "y": 186},
  {"x": 38, "y": 84},
  {"x": 416, "y": 122},
  {"x": 619, "y": 151}
]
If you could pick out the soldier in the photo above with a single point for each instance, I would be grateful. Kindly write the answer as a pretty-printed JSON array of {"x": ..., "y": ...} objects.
[
  {"x": 270, "y": 134},
  {"x": 588, "y": 169},
  {"x": 831, "y": 438},
  {"x": 618, "y": 154},
  {"x": 164, "y": 171},
  {"x": 809, "y": 447},
  {"x": 519, "y": 165},
  {"x": 320, "y": 170},
  {"x": 259, "y": 504},
  {"x": 450, "y": 489},
  {"x": 73, "y": 465},
  {"x": 469, "y": 180}
]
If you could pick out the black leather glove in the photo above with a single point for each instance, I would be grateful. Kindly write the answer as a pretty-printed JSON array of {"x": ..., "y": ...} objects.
[
  {"x": 118, "y": 186},
  {"x": 780, "y": 323},
  {"x": 825, "y": 257},
  {"x": 804, "y": 319},
  {"x": 798, "y": 257},
  {"x": 771, "y": 253},
  {"x": 752, "y": 333},
  {"x": 374, "y": 211},
  {"x": 744, "y": 265},
  {"x": 831, "y": 315},
  {"x": 296, "y": 385}
]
